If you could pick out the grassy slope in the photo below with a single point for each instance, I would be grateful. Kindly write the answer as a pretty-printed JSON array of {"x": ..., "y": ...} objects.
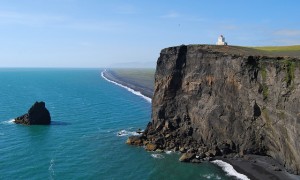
[
  {"x": 279, "y": 48},
  {"x": 293, "y": 51},
  {"x": 142, "y": 76}
]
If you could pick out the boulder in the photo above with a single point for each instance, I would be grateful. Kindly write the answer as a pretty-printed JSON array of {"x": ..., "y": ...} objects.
[
  {"x": 151, "y": 147},
  {"x": 134, "y": 140},
  {"x": 37, "y": 115},
  {"x": 187, "y": 157}
]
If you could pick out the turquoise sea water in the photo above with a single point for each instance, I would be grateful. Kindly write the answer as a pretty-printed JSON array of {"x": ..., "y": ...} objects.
[{"x": 82, "y": 142}]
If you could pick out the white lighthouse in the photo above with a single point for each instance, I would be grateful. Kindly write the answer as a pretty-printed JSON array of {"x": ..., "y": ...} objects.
[{"x": 221, "y": 40}]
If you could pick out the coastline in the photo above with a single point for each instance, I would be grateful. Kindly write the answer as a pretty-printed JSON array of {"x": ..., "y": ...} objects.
[
  {"x": 130, "y": 86},
  {"x": 253, "y": 166},
  {"x": 257, "y": 167}
]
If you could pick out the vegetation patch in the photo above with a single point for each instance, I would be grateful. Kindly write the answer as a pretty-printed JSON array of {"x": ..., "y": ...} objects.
[
  {"x": 290, "y": 73},
  {"x": 265, "y": 91},
  {"x": 292, "y": 51},
  {"x": 279, "y": 48},
  {"x": 263, "y": 71}
]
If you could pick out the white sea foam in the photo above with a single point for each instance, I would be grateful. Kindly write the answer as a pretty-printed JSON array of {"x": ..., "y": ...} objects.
[
  {"x": 11, "y": 121},
  {"x": 211, "y": 176},
  {"x": 51, "y": 168},
  {"x": 128, "y": 133},
  {"x": 230, "y": 170},
  {"x": 157, "y": 156},
  {"x": 168, "y": 152},
  {"x": 127, "y": 88}
]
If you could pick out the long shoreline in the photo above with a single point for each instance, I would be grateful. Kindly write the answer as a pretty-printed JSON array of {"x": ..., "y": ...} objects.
[
  {"x": 257, "y": 167},
  {"x": 253, "y": 166},
  {"x": 133, "y": 88}
]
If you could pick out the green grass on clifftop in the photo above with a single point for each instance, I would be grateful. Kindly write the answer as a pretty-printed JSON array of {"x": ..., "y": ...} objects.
[
  {"x": 293, "y": 51},
  {"x": 279, "y": 48}
]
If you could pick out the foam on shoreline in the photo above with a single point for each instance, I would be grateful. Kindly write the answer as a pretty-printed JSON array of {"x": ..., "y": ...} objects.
[
  {"x": 128, "y": 133},
  {"x": 11, "y": 121},
  {"x": 127, "y": 88},
  {"x": 230, "y": 170},
  {"x": 158, "y": 156}
]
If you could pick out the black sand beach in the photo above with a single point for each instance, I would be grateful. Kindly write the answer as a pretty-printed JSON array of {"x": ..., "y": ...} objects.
[
  {"x": 260, "y": 168},
  {"x": 111, "y": 75},
  {"x": 253, "y": 166}
]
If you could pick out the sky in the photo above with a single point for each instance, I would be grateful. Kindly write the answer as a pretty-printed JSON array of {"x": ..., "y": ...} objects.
[{"x": 131, "y": 33}]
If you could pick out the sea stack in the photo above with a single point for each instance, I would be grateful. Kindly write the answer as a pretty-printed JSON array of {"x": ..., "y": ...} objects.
[
  {"x": 225, "y": 101},
  {"x": 38, "y": 114}
]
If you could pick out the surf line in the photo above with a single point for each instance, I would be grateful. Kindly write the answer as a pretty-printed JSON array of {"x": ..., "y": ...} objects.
[
  {"x": 230, "y": 170},
  {"x": 138, "y": 93}
]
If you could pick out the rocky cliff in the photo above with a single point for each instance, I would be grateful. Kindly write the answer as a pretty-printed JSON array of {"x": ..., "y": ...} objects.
[{"x": 218, "y": 100}]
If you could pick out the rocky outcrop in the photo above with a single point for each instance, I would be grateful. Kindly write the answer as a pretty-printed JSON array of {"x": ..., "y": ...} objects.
[
  {"x": 37, "y": 115},
  {"x": 224, "y": 100}
]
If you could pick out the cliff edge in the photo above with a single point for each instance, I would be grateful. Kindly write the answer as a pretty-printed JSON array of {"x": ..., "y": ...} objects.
[{"x": 221, "y": 100}]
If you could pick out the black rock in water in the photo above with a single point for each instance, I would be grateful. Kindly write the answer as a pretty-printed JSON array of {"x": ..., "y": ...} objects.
[{"x": 37, "y": 115}]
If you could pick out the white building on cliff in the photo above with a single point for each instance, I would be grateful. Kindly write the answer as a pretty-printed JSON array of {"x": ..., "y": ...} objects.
[{"x": 221, "y": 40}]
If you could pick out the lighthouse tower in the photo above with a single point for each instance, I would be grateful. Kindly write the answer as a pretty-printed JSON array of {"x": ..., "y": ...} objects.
[{"x": 221, "y": 40}]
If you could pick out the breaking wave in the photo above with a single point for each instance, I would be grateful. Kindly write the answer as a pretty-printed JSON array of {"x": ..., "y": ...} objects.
[
  {"x": 157, "y": 156},
  {"x": 11, "y": 121},
  {"x": 230, "y": 170},
  {"x": 128, "y": 133},
  {"x": 168, "y": 152},
  {"x": 211, "y": 176},
  {"x": 51, "y": 168}
]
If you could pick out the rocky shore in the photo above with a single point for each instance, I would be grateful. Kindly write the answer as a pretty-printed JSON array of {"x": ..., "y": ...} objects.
[{"x": 255, "y": 167}]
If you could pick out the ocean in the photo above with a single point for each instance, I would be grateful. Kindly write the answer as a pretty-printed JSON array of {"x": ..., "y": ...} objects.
[{"x": 91, "y": 120}]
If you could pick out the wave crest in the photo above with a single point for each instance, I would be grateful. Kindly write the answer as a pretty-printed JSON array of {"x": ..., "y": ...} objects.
[
  {"x": 157, "y": 156},
  {"x": 11, "y": 121},
  {"x": 230, "y": 170},
  {"x": 128, "y": 133},
  {"x": 211, "y": 176}
]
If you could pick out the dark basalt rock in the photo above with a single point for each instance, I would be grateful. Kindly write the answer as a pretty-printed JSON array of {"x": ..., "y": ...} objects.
[
  {"x": 37, "y": 115},
  {"x": 217, "y": 100}
]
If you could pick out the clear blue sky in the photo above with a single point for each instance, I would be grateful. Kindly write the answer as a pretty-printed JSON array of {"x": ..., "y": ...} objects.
[{"x": 96, "y": 33}]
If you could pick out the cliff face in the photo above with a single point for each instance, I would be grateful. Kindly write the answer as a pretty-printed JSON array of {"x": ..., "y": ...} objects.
[{"x": 214, "y": 100}]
